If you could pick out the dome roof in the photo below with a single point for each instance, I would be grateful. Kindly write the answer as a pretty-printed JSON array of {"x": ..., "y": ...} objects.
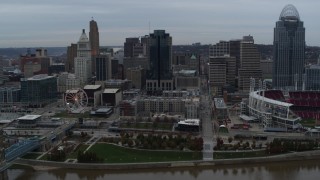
[
  {"x": 289, "y": 12},
  {"x": 83, "y": 37}
]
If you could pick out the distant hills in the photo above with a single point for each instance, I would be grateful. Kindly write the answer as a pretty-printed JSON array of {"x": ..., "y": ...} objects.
[
  {"x": 16, "y": 52},
  {"x": 312, "y": 52}
]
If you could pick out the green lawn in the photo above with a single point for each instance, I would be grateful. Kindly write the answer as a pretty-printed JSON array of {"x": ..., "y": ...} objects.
[
  {"x": 231, "y": 155},
  {"x": 308, "y": 122},
  {"x": 159, "y": 126},
  {"x": 75, "y": 154},
  {"x": 31, "y": 156},
  {"x": 115, "y": 154}
]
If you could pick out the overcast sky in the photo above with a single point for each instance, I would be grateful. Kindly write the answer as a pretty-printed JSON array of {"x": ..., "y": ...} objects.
[{"x": 48, "y": 23}]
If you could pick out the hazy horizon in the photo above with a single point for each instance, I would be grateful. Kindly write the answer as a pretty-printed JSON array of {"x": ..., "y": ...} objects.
[{"x": 59, "y": 23}]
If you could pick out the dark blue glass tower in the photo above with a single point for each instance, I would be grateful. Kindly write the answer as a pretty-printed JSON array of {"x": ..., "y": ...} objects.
[
  {"x": 160, "y": 56},
  {"x": 289, "y": 50}
]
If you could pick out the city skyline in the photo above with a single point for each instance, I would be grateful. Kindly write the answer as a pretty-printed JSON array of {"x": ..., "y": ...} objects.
[{"x": 57, "y": 23}]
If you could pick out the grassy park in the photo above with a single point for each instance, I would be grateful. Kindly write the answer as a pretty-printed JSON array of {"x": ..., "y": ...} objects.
[
  {"x": 116, "y": 154},
  {"x": 240, "y": 154}
]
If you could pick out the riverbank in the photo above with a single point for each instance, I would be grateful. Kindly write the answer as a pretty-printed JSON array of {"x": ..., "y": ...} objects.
[{"x": 294, "y": 156}]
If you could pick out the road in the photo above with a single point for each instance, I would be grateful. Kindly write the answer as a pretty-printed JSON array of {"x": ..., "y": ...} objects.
[{"x": 207, "y": 129}]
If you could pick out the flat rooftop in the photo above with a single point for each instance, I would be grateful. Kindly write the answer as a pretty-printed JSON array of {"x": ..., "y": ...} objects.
[
  {"x": 29, "y": 117},
  {"x": 219, "y": 103},
  {"x": 92, "y": 87},
  {"x": 110, "y": 90},
  {"x": 247, "y": 118}
]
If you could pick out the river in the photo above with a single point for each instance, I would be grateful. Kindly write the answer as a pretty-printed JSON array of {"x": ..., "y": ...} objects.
[{"x": 293, "y": 170}]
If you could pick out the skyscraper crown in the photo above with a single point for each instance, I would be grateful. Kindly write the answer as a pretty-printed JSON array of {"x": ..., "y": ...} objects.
[{"x": 289, "y": 12}]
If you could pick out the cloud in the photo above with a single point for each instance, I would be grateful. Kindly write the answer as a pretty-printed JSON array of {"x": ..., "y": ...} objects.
[{"x": 59, "y": 22}]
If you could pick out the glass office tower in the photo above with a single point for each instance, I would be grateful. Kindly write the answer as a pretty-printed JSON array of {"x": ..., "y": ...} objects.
[{"x": 289, "y": 50}]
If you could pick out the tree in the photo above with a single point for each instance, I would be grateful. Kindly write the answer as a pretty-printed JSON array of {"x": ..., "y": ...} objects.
[
  {"x": 230, "y": 139},
  {"x": 253, "y": 145}
]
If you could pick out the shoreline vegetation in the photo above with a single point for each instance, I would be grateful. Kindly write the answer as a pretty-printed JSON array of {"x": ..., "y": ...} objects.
[
  {"x": 49, "y": 165},
  {"x": 229, "y": 158}
]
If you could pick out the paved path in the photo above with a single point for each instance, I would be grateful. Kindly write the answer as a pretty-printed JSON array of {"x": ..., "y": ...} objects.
[{"x": 207, "y": 129}]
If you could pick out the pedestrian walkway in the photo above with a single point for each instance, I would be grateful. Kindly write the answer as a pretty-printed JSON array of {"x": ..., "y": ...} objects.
[
  {"x": 207, "y": 129},
  {"x": 93, "y": 140}
]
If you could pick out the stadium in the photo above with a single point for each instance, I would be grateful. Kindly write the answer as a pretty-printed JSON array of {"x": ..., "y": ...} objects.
[{"x": 284, "y": 111}]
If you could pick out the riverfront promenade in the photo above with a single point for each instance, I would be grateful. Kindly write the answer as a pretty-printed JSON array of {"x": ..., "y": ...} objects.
[{"x": 294, "y": 156}]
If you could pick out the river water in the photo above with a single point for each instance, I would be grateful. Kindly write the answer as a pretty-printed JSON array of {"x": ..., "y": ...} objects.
[{"x": 294, "y": 170}]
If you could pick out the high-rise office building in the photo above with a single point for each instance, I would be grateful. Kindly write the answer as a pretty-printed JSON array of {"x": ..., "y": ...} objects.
[
  {"x": 220, "y": 49},
  {"x": 82, "y": 62},
  {"x": 103, "y": 67},
  {"x": 94, "y": 41},
  {"x": 94, "y": 38},
  {"x": 71, "y": 54},
  {"x": 249, "y": 63},
  {"x": 311, "y": 77},
  {"x": 137, "y": 76},
  {"x": 129, "y": 46},
  {"x": 136, "y": 54},
  {"x": 32, "y": 64},
  {"x": 159, "y": 76},
  {"x": 1, "y": 72},
  {"x": 217, "y": 75},
  {"x": 235, "y": 52},
  {"x": 289, "y": 50},
  {"x": 230, "y": 51}
]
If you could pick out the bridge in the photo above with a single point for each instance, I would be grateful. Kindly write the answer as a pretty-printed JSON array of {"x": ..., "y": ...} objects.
[{"x": 19, "y": 149}]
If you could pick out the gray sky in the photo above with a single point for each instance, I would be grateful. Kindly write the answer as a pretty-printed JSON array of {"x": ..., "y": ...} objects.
[{"x": 45, "y": 23}]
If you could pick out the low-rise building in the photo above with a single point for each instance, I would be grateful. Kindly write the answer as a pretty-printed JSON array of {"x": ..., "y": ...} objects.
[
  {"x": 186, "y": 80},
  {"x": 111, "y": 97},
  {"x": 28, "y": 121},
  {"x": 94, "y": 94}
]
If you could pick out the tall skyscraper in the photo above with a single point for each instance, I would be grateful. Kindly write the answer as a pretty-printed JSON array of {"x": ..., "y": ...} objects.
[
  {"x": 230, "y": 50},
  {"x": 82, "y": 62},
  {"x": 289, "y": 50},
  {"x": 129, "y": 46},
  {"x": 159, "y": 76},
  {"x": 249, "y": 63},
  {"x": 1, "y": 71},
  {"x": 217, "y": 74},
  {"x": 71, "y": 54},
  {"x": 94, "y": 41},
  {"x": 103, "y": 67}
]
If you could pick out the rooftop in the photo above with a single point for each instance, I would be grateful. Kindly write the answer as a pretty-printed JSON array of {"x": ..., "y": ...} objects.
[
  {"x": 111, "y": 90},
  {"x": 219, "y": 103},
  {"x": 39, "y": 77},
  {"x": 92, "y": 87},
  {"x": 29, "y": 117}
]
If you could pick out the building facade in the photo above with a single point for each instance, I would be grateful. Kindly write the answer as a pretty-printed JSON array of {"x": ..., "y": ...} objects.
[
  {"x": 10, "y": 95},
  {"x": 38, "y": 90},
  {"x": 71, "y": 54},
  {"x": 137, "y": 76},
  {"x": 312, "y": 75},
  {"x": 83, "y": 60},
  {"x": 249, "y": 63},
  {"x": 217, "y": 75},
  {"x": 94, "y": 41},
  {"x": 289, "y": 50},
  {"x": 33, "y": 64},
  {"x": 159, "y": 77},
  {"x": 187, "y": 80},
  {"x": 103, "y": 67}
]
